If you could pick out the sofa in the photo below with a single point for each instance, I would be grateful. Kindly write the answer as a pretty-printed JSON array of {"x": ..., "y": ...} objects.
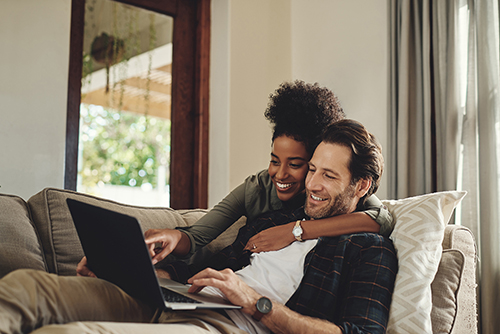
[{"x": 39, "y": 234}]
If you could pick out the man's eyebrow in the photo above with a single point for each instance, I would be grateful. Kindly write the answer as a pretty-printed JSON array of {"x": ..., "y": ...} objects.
[
  {"x": 332, "y": 171},
  {"x": 326, "y": 169}
]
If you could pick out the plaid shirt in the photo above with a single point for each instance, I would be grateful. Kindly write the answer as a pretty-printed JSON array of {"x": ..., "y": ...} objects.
[{"x": 348, "y": 280}]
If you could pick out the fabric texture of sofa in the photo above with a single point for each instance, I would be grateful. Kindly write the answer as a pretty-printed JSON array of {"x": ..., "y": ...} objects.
[{"x": 39, "y": 234}]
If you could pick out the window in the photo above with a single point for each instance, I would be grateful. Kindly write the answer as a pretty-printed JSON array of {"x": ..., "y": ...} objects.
[{"x": 189, "y": 102}]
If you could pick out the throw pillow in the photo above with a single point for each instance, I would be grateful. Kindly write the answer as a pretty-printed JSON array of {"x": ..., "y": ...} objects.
[{"x": 419, "y": 224}]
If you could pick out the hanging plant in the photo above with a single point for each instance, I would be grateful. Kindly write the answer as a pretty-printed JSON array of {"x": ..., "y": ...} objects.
[
  {"x": 152, "y": 46},
  {"x": 107, "y": 50}
]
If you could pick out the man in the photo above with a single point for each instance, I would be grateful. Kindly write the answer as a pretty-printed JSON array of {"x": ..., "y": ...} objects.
[{"x": 334, "y": 285}]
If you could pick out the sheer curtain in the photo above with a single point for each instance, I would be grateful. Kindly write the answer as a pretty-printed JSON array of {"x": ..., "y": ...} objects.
[{"x": 445, "y": 119}]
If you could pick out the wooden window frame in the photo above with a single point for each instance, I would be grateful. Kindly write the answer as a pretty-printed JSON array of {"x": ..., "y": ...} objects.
[{"x": 190, "y": 97}]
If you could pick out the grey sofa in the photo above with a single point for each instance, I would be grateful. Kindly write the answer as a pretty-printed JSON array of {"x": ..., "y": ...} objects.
[{"x": 39, "y": 234}]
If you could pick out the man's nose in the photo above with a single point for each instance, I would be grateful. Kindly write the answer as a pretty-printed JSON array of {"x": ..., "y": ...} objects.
[{"x": 313, "y": 182}]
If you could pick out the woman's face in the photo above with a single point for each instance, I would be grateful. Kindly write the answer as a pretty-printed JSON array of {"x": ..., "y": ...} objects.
[{"x": 288, "y": 167}]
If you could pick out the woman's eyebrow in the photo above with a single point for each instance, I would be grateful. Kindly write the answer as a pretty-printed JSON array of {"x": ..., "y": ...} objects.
[{"x": 289, "y": 158}]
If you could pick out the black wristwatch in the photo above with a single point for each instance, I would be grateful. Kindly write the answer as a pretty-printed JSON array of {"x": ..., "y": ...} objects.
[{"x": 263, "y": 306}]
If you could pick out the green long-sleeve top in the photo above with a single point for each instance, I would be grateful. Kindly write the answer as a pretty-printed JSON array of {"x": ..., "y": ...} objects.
[{"x": 257, "y": 195}]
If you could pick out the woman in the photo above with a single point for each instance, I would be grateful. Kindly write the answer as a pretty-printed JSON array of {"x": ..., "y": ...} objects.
[{"x": 299, "y": 112}]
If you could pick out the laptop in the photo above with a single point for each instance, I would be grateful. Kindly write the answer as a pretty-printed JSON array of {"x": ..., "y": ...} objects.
[{"x": 115, "y": 249}]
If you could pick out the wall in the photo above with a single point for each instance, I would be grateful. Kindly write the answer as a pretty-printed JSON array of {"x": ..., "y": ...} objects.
[
  {"x": 34, "y": 57},
  {"x": 344, "y": 45},
  {"x": 256, "y": 45}
]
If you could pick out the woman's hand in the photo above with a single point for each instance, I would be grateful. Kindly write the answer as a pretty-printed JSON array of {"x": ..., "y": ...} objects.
[
  {"x": 272, "y": 239},
  {"x": 82, "y": 268},
  {"x": 162, "y": 273},
  {"x": 162, "y": 242}
]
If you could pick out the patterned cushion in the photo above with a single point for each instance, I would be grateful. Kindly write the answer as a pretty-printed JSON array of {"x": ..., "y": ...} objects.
[{"x": 417, "y": 236}]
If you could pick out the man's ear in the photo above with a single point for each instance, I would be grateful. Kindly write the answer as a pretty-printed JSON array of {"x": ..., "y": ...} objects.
[{"x": 362, "y": 187}]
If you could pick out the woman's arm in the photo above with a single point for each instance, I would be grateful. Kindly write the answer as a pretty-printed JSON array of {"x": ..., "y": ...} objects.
[
  {"x": 374, "y": 208},
  {"x": 278, "y": 237},
  {"x": 184, "y": 240},
  {"x": 371, "y": 216}
]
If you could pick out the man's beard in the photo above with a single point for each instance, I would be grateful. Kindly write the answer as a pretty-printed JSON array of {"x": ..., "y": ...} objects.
[{"x": 339, "y": 206}]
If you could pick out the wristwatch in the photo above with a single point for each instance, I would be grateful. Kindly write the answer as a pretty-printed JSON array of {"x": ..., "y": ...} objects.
[
  {"x": 263, "y": 306},
  {"x": 297, "y": 231}
]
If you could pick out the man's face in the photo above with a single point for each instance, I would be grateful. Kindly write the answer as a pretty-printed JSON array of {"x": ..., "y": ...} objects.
[{"x": 328, "y": 183}]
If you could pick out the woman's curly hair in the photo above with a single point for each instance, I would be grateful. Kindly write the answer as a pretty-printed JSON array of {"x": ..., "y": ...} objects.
[{"x": 302, "y": 111}]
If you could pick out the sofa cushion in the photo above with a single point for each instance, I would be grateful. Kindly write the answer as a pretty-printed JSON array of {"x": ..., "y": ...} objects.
[
  {"x": 419, "y": 224},
  {"x": 445, "y": 291},
  {"x": 19, "y": 243},
  {"x": 59, "y": 238},
  {"x": 460, "y": 237}
]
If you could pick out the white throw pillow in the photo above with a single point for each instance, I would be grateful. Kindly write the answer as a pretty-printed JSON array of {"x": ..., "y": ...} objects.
[{"x": 418, "y": 233}]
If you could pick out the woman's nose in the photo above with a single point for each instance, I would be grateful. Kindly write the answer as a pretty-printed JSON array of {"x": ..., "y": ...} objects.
[{"x": 282, "y": 172}]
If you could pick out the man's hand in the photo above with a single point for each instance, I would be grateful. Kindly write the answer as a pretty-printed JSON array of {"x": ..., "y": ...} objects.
[
  {"x": 236, "y": 291},
  {"x": 162, "y": 242},
  {"x": 280, "y": 320},
  {"x": 271, "y": 239},
  {"x": 82, "y": 269}
]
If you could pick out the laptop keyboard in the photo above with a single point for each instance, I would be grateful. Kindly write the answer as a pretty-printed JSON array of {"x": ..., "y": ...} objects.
[{"x": 174, "y": 297}]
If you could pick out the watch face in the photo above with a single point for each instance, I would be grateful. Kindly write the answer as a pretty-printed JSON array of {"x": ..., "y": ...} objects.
[
  {"x": 264, "y": 305},
  {"x": 297, "y": 231}
]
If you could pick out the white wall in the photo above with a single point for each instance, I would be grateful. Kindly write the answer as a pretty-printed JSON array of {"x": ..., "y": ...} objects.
[
  {"x": 251, "y": 56},
  {"x": 344, "y": 45},
  {"x": 34, "y": 57},
  {"x": 341, "y": 44},
  {"x": 255, "y": 46}
]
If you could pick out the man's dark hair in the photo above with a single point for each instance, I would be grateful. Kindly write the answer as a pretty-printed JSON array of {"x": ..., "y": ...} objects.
[
  {"x": 366, "y": 161},
  {"x": 302, "y": 111}
]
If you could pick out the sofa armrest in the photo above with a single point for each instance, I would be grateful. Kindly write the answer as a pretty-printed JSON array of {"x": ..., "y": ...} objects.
[
  {"x": 19, "y": 242},
  {"x": 454, "y": 288}
]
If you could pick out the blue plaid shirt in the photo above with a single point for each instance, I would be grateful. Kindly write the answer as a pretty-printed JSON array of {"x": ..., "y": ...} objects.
[{"x": 348, "y": 280}]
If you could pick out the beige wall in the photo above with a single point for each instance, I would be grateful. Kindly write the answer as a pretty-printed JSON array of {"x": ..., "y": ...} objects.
[
  {"x": 34, "y": 53},
  {"x": 350, "y": 56},
  {"x": 258, "y": 44},
  {"x": 255, "y": 46}
]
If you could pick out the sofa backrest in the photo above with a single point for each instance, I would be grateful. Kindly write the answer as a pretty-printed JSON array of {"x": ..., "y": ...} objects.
[{"x": 20, "y": 245}]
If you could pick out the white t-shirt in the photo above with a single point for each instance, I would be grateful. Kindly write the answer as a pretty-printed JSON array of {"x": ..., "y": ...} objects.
[{"x": 275, "y": 275}]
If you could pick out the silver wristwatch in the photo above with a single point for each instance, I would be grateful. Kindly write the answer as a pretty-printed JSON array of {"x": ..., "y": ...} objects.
[{"x": 297, "y": 231}]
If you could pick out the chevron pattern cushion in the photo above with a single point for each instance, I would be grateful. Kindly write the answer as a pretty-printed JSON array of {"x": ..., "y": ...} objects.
[{"x": 419, "y": 224}]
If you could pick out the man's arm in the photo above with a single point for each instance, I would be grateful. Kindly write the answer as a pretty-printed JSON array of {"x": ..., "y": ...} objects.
[
  {"x": 280, "y": 320},
  {"x": 283, "y": 320}
]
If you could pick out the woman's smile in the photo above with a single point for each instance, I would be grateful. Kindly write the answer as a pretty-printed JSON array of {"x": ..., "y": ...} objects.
[{"x": 288, "y": 167}]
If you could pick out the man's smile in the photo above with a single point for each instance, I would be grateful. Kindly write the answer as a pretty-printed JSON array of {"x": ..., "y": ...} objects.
[{"x": 316, "y": 198}]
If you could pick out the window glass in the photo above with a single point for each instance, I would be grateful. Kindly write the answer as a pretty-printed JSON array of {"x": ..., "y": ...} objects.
[{"x": 125, "y": 107}]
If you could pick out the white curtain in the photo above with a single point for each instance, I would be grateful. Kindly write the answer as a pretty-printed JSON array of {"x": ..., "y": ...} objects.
[
  {"x": 425, "y": 97},
  {"x": 445, "y": 120},
  {"x": 481, "y": 145}
]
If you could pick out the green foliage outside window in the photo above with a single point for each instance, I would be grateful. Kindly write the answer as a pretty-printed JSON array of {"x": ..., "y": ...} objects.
[{"x": 122, "y": 148}]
